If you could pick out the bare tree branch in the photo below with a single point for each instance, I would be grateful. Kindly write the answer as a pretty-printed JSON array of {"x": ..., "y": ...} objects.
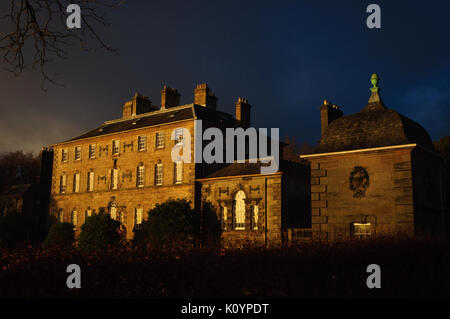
[{"x": 41, "y": 25}]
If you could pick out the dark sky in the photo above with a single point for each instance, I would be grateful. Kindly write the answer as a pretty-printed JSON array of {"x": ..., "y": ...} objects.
[{"x": 285, "y": 57}]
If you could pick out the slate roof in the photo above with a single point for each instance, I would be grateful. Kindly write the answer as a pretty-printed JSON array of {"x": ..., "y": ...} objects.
[
  {"x": 237, "y": 169},
  {"x": 374, "y": 126},
  {"x": 242, "y": 169},
  {"x": 185, "y": 112},
  {"x": 214, "y": 116}
]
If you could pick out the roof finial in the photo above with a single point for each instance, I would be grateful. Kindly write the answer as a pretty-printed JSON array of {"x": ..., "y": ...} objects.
[{"x": 374, "y": 79}]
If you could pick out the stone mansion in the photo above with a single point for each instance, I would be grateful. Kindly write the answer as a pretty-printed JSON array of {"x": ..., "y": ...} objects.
[{"x": 373, "y": 172}]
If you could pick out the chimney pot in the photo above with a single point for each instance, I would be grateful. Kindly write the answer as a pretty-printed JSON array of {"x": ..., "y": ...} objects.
[
  {"x": 243, "y": 112},
  {"x": 328, "y": 113},
  {"x": 137, "y": 105},
  {"x": 204, "y": 96},
  {"x": 169, "y": 97}
]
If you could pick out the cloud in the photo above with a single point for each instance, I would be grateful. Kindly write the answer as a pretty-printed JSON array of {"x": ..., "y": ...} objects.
[
  {"x": 430, "y": 107},
  {"x": 29, "y": 131}
]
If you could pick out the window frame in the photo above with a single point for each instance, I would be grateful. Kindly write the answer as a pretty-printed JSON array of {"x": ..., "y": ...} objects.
[
  {"x": 61, "y": 215},
  {"x": 89, "y": 188},
  {"x": 254, "y": 217},
  {"x": 159, "y": 168},
  {"x": 160, "y": 137},
  {"x": 179, "y": 136},
  {"x": 224, "y": 217},
  {"x": 175, "y": 172},
  {"x": 87, "y": 213},
  {"x": 239, "y": 215},
  {"x": 63, "y": 183},
  {"x": 74, "y": 218},
  {"x": 114, "y": 148},
  {"x": 361, "y": 230},
  {"x": 114, "y": 179},
  {"x": 92, "y": 150},
  {"x": 76, "y": 182},
  {"x": 138, "y": 212},
  {"x": 64, "y": 155},
  {"x": 111, "y": 208},
  {"x": 77, "y": 153},
  {"x": 140, "y": 176},
  {"x": 140, "y": 139}
]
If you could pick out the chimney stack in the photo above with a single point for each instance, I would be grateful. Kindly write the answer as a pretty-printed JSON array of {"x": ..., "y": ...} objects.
[
  {"x": 137, "y": 105},
  {"x": 329, "y": 113},
  {"x": 243, "y": 112},
  {"x": 204, "y": 96},
  {"x": 169, "y": 97}
]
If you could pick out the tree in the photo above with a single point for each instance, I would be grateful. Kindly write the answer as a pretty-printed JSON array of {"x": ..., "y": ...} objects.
[
  {"x": 443, "y": 146},
  {"x": 41, "y": 26},
  {"x": 292, "y": 149},
  {"x": 18, "y": 168},
  {"x": 60, "y": 235},
  {"x": 170, "y": 224},
  {"x": 98, "y": 232}
]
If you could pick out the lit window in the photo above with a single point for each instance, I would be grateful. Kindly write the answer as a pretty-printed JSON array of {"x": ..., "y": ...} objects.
[
  {"x": 76, "y": 182},
  {"x": 140, "y": 176},
  {"x": 74, "y": 219},
  {"x": 239, "y": 211},
  {"x": 62, "y": 184},
  {"x": 361, "y": 230},
  {"x": 178, "y": 172},
  {"x": 142, "y": 143},
  {"x": 224, "y": 217},
  {"x": 159, "y": 139},
  {"x": 255, "y": 217},
  {"x": 91, "y": 151},
  {"x": 61, "y": 215},
  {"x": 158, "y": 174},
  {"x": 138, "y": 216},
  {"x": 87, "y": 213},
  {"x": 113, "y": 211},
  {"x": 78, "y": 153},
  {"x": 179, "y": 136},
  {"x": 115, "y": 147},
  {"x": 90, "y": 182},
  {"x": 122, "y": 218},
  {"x": 114, "y": 178},
  {"x": 64, "y": 155}
]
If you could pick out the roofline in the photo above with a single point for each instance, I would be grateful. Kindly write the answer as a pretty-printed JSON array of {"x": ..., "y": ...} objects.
[
  {"x": 360, "y": 150},
  {"x": 191, "y": 105},
  {"x": 236, "y": 176},
  {"x": 138, "y": 116},
  {"x": 120, "y": 132}
]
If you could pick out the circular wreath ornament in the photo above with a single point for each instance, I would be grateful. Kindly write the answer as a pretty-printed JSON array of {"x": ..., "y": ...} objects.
[{"x": 359, "y": 181}]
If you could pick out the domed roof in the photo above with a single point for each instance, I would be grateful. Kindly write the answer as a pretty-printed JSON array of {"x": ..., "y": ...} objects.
[{"x": 374, "y": 126}]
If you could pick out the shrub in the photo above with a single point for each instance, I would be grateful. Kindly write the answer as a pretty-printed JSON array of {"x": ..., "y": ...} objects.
[
  {"x": 98, "y": 232},
  {"x": 169, "y": 224},
  {"x": 14, "y": 230},
  {"x": 60, "y": 235},
  {"x": 211, "y": 228}
]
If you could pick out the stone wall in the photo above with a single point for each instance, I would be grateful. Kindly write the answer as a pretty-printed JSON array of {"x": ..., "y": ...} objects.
[
  {"x": 361, "y": 187},
  {"x": 265, "y": 192},
  {"x": 127, "y": 196}
]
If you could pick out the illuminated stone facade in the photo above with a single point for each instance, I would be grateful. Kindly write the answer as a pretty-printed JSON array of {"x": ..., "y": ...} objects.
[{"x": 374, "y": 172}]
